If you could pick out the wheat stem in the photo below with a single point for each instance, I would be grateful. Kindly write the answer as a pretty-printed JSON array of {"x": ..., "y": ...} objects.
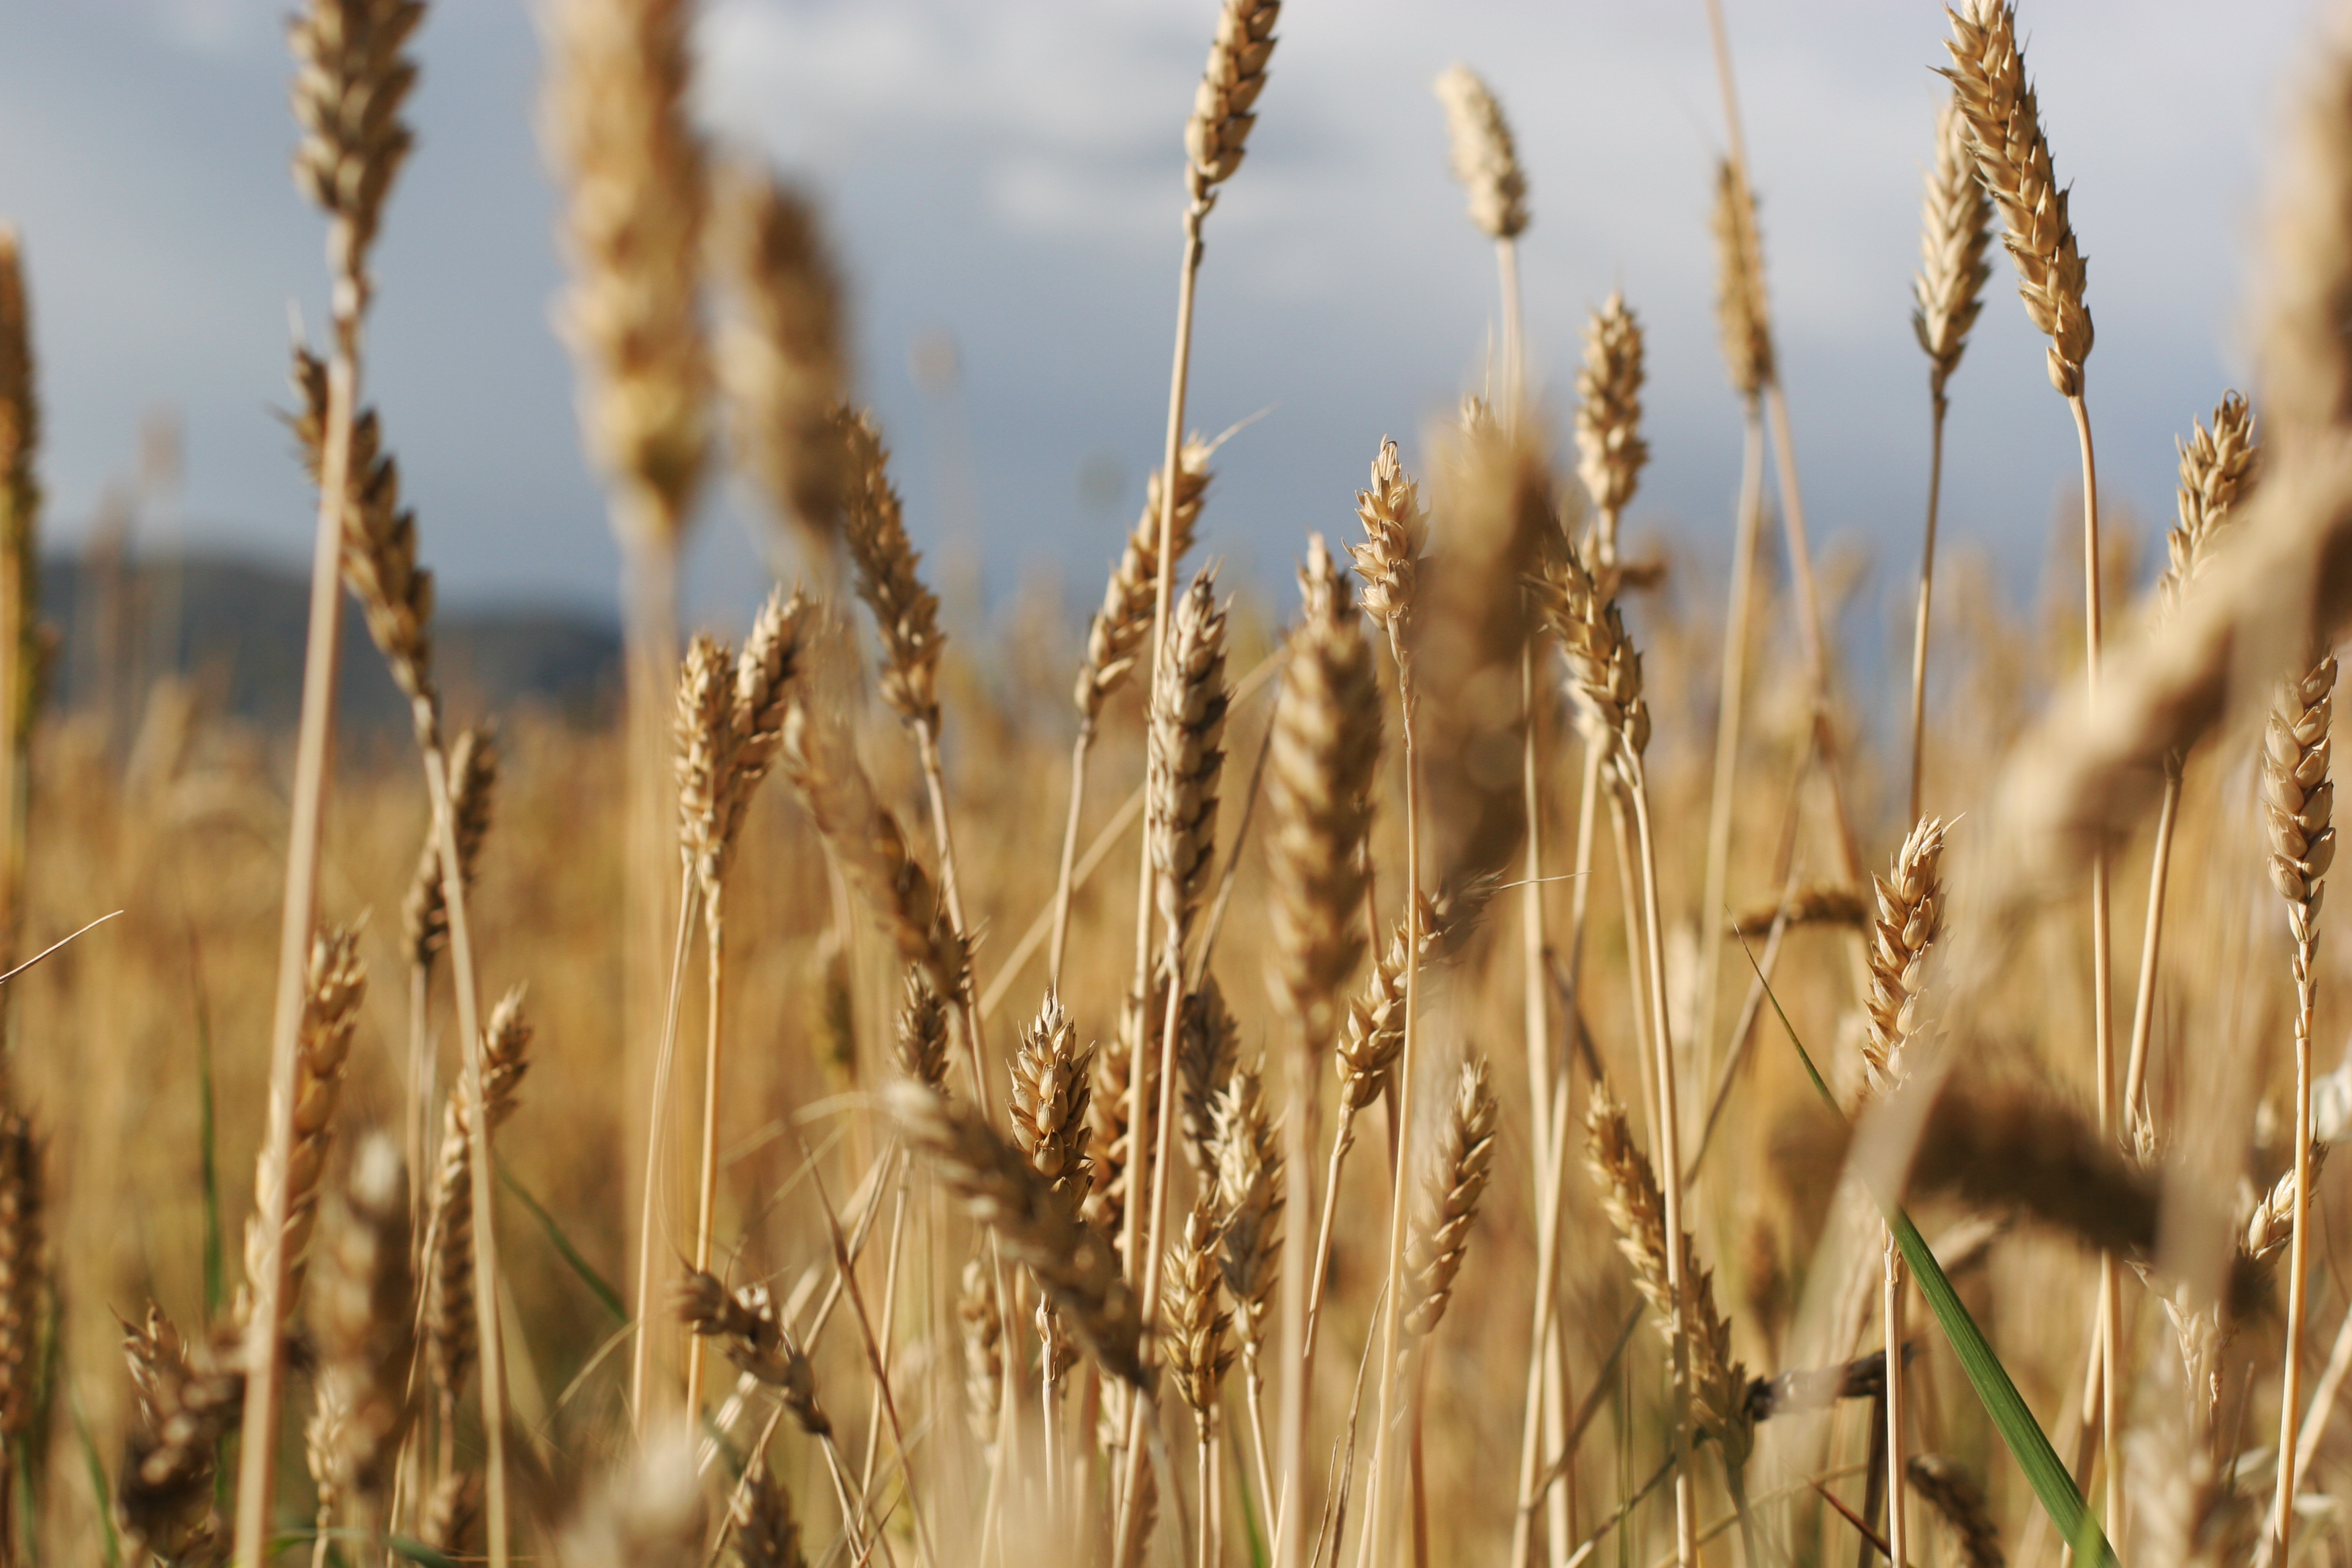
[
  {"x": 1730, "y": 704},
  {"x": 2159, "y": 876},
  {"x": 1670, "y": 1161},
  {"x": 714, "y": 960},
  {"x": 641, "y": 1350},
  {"x": 1919, "y": 643},
  {"x": 314, "y": 748},
  {"x": 1065, "y": 879}
]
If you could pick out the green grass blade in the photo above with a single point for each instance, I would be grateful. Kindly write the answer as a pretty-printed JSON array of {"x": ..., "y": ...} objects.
[
  {"x": 563, "y": 1244},
  {"x": 109, "y": 1543},
  {"x": 2011, "y": 1417},
  {"x": 416, "y": 1552},
  {"x": 208, "y": 1149}
]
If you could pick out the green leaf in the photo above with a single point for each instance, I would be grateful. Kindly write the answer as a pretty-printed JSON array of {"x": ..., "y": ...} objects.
[
  {"x": 571, "y": 1253},
  {"x": 417, "y": 1551},
  {"x": 2011, "y": 1417}
]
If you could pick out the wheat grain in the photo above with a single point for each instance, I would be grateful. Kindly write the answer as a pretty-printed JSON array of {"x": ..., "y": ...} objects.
[
  {"x": 1576, "y": 603},
  {"x": 1325, "y": 745},
  {"x": 473, "y": 787},
  {"x": 983, "y": 1350},
  {"x": 2218, "y": 469},
  {"x": 1074, "y": 1264},
  {"x": 1396, "y": 530},
  {"x": 1743, "y": 318},
  {"x": 1955, "y": 231},
  {"x": 780, "y": 353},
  {"x": 186, "y": 1403},
  {"x": 1051, "y": 1087},
  {"x": 1117, "y": 636},
  {"x": 921, "y": 1033},
  {"x": 361, "y": 1317},
  {"x": 1910, "y": 917},
  {"x": 632, "y": 167},
  {"x": 337, "y": 982},
  {"x": 1208, "y": 1049},
  {"x": 1250, "y": 1202},
  {"x": 1196, "y": 1327},
  {"x": 760, "y": 1530},
  {"x": 379, "y": 534},
  {"x": 349, "y": 83},
  {"x": 1373, "y": 1033},
  {"x": 2270, "y": 1219},
  {"x": 1465, "y": 1162},
  {"x": 744, "y": 1322},
  {"x": 452, "y": 1334},
  {"x": 2012, "y": 153},
  {"x": 1953, "y": 1493},
  {"x": 1609, "y": 450},
  {"x": 906, "y": 613},
  {"x": 1217, "y": 135},
  {"x": 1486, "y": 160},
  {"x": 1186, "y": 756},
  {"x": 2298, "y": 802}
]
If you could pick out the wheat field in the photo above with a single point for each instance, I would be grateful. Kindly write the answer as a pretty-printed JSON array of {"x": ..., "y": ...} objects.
[{"x": 1492, "y": 1057}]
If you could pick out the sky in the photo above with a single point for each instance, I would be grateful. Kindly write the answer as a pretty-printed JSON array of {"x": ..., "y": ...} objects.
[{"x": 1002, "y": 180}]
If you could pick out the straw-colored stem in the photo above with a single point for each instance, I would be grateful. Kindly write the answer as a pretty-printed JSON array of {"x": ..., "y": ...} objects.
[
  {"x": 1532, "y": 943},
  {"x": 2323, "y": 1400},
  {"x": 2281, "y": 1522},
  {"x": 1254, "y": 1379},
  {"x": 1898, "y": 1523},
  {"x": 314, "y": 748},
  {"x": 2159, "y": 876},
  {"x": 656, "y": 1121},
  {"x": 1506, "y": 266},
  {"x": 485, "y": 1182},
  {"x": 1128, "y": 1547},
  {"x": 1533, "y": 1419},
  {"x": 1401, "y": 1194},
  {"x": 1670, "y": 1168},
  {"x": 423, "y": 1090},
  {"x": 1065, "y": 880},
  {"x": 1730, "y": 704},
  {"x": 935, "y": 783},
  {"x": 1919, "y": 628},
  {"x": 889, "y": 1315},
  {"x": 2103, "y": 1027},
  {"x": 1343, "y": 1136},
  {"x": 1205, "y": 1489},
  {"x": 714, "y": 950}
]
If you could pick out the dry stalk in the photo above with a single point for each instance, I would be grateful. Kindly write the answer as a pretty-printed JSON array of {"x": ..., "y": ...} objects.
[
  {"x": 1954, "y": 229},
  {"x": 2218, "y": 469},
  {"x": 2298, "y": 801},
  {"x": 352, "y": 79},
  {"x": 1321, "y": 769},
  {"x": 22, "y": 655}
]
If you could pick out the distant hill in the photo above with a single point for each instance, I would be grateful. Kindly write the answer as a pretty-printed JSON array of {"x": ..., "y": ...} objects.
[{"x": 237, "y": 629}]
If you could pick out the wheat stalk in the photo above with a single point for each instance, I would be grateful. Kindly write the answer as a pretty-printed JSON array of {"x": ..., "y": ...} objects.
[
  {"x": 22, "y": 658},
  {"x": 2297, "y": 806},
  {"x": 352, "y": 81},
  {"x": 1954, "y": 229}
]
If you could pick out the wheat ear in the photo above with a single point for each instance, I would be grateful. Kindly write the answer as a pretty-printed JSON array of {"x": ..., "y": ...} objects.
[
  {"x": 780, "y": 353},
  {"x": 1611, "y": 452},
  {"x": 1947, "y": 292},
  {"x": 2217, "y": 470},
  {"x": 1948, "y": 1487},
  {"x": 452, "y": 1328},
  {"x": 1465, "y": 1161},
  {"x": 1251, "y": 1196},
  {"x": 185, "y": 1401},
  {"x": 362, "y": 1314},
  {"x": 22, "y": 659},
  {"x": 473, "y": 773},
  {"x": 2298, "y": 800},
  {"x": 1486, "y": 162},
  {"x": 351, "y": 80}
]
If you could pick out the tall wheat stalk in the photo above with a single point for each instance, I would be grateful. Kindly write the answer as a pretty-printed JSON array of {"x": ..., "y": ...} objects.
[
  {"x": 2012, "y": 155},
  {"x": 631, "y": 168},
  {"x": 1746, "y": 343},
  {"x": 1954, "y": 229},
  {"x": 20, "y": 641},
  {"x": 2218, "y": 469},
  {"x": 352, "y": 79}
]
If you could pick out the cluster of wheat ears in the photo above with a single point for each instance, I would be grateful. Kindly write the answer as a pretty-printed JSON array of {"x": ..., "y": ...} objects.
[{"x": 1063, "y": 1257}]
